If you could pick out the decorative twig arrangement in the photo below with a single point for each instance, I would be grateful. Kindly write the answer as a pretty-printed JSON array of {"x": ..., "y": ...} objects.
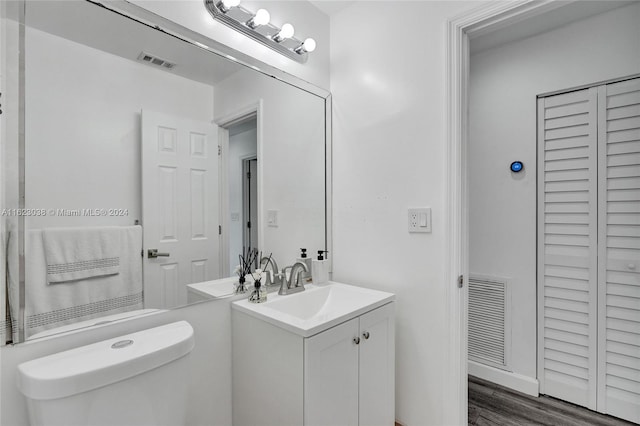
[
  {"x": 259, "y": 293},
  {"x": 247, "y": 259}
]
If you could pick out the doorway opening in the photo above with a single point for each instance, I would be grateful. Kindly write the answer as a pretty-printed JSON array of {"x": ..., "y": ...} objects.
[
  {"x": 486, "y": 21},
  {"x": 240, "y": 202}
]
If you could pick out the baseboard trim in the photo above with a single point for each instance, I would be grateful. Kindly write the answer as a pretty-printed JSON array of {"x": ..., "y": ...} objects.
[{"x": 518, "y": 382}]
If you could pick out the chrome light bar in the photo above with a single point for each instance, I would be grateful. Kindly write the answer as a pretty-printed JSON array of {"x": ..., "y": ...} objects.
[{"x": 253, "y": 25}]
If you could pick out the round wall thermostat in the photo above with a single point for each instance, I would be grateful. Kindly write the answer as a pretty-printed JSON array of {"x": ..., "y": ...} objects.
[{"x": 517, "y": 166}]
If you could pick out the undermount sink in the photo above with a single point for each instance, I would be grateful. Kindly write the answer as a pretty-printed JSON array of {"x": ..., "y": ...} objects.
[{"x": 317, "y": 308}]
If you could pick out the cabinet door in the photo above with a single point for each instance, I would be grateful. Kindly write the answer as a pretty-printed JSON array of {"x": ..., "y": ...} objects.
[
  {"x": 377, "y": 367},
  {"x": 331, "y": 376}
]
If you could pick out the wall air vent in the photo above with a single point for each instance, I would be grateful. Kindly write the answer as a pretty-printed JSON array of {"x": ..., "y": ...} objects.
[
  {"x": 154, "y": 60},
  {"x": 489, "y": 321}
]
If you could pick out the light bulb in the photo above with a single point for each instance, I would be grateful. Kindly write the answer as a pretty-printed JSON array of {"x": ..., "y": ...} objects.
[
  {"x": 286, "y": 32},
  {"x": 309, "y": 45},
  {"x": 261, "y": 17},
  {"x": 225, "y": 5}
]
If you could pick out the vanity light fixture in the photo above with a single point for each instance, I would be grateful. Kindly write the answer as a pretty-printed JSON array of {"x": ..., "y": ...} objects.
[{"x": 256, "y": 26}]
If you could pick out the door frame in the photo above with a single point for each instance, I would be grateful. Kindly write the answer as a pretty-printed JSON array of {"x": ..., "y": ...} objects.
[
  {"x": 460, "y": 29},
  {"x": 224, "y": 122}
]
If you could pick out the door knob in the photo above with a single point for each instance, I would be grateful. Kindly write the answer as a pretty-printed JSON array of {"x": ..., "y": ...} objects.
[
  {"x": 365, "y": 335},
  {"x": 356, "y": 340},
  {"x": 153, "y": 253}
]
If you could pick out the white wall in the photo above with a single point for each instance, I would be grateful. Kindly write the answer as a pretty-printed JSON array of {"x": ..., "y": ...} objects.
[
  {"x": 291, "y": 164},
  {"x": 504, "y": 82},
  {"x": 388, "y": 84},
  {"x": 307, "y": 20},
  {"x": 241, "y": 145},
  {"x": 83, "y": 127}
]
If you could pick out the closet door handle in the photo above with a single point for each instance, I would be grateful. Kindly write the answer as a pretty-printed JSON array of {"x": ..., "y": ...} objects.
[
  {"x": 356, "y": 340},
  {"x": 365, "y": 335}
]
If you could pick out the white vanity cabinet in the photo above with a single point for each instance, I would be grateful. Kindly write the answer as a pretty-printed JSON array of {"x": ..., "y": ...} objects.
[
  {"x": 349, "y": 372},
  {"x": 344, "y": 375}
]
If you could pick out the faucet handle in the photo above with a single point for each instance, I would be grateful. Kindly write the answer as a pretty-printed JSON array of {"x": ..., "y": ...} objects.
[{"x": 284, "y": 274}]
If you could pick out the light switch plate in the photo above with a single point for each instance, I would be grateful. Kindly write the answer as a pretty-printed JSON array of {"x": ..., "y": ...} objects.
[
  {"x": 272, "y": 218},
  {"x": 420, "y": 220}
]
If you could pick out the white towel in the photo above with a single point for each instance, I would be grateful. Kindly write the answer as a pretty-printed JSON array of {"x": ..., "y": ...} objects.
[
  {"x": 78, "y": 253},
  {"x": 51, "y": 306}
]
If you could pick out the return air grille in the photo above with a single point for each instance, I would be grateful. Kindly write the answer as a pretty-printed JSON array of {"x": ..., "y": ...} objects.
[
  {"x": 489, "y": 331},
  {"x": 154, "y": 60}
]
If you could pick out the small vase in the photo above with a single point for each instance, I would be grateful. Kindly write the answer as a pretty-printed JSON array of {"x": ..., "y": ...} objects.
[
  {"x": 240, "y": 286},
  {"x": 259, "y": 293}
]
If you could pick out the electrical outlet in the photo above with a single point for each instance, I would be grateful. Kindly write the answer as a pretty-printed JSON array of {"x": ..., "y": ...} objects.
[{"x": 420, "y": 220}]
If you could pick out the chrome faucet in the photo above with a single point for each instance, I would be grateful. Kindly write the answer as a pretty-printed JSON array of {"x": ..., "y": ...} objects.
[
  {"x": 294, "y": 284},
  {"x": 275, "y": 278}
]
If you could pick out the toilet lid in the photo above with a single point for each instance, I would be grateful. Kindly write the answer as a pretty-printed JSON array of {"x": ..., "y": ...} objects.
[{"x": 109, "y": 361}]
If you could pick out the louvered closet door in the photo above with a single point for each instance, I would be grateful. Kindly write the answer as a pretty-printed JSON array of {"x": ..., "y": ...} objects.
[
  {"x": 567, "y": 248},
  {"x": 619, "y": 250}
]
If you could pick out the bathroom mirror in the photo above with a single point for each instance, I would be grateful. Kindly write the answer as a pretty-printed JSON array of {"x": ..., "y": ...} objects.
[{"x": 151, "y": 161}]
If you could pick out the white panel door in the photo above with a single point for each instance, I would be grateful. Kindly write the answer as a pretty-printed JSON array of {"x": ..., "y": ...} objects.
[
  {"x": 567, "y": 246},
  {"x": 377, "y": 367},
  {"x": 331, "y": 376},
  {"x": 179, "y": 206},
  {"x": 619, "y": 250}
]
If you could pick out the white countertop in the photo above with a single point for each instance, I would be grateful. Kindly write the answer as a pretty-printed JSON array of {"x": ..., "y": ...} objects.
[
  {"x": 217, "y": 289},
  {"x": 315, "y": 309}
]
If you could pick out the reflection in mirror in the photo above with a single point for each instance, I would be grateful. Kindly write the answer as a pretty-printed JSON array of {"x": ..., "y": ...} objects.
[
  {"x": 9, "y": 158},
  {"x": 137, "y": 142},
  {"x": 242, "y": 202}
]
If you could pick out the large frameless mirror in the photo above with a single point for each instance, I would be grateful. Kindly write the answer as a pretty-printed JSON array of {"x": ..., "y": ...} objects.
[{"x": 149, "y": 163}]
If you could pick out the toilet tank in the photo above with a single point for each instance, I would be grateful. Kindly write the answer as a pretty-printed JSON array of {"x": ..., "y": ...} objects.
[{"x": 136, "y": 379}]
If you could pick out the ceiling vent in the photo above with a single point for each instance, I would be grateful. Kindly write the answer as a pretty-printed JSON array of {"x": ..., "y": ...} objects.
[{"x": 154, "y": 60}]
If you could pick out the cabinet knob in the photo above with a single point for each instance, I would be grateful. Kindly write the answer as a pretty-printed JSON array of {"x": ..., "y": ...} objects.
[
  {"x": 631, "y": 266},
  {"x": 356, "y": 340},
  {"x": 365, "y": 335}
]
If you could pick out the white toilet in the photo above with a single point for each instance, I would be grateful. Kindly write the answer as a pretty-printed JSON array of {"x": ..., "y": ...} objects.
[{"x": 137, "y": 379}]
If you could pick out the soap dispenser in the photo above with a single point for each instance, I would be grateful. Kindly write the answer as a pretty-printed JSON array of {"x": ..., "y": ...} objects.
[
  {"x": 320, "y": 268},
  {"x": 306, "y": 277}
]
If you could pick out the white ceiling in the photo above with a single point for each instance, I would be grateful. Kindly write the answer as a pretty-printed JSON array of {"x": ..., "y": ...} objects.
[
  {"x": 569, "y": 11},
  {"x": 331, "y": 7},
  {"x": 96, "y": 27}
]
